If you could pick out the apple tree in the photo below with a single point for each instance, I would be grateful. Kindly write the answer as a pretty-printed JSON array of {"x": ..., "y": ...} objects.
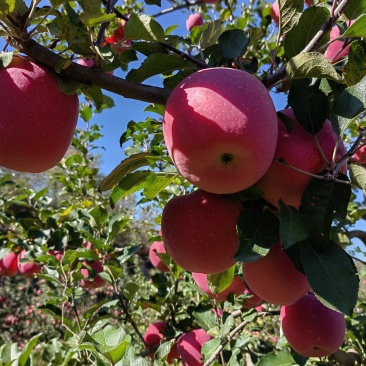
[{"x": 249, "y": 211}]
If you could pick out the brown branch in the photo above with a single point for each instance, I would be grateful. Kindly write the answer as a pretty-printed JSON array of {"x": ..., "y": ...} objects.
[
  {"x": 359, "y": 234},
  {"x": 187, "y": 4},
  {"x": 91, "y": 76}
]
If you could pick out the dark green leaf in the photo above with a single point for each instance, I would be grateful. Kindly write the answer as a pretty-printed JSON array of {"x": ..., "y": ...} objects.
[
  {"x": 332, "y": 276},
  {"x": 233, "y": 43},
  {"x": 143, "y": 27},
  {"x": 355, "y": 68},
  {"x": 93, "y": 19},
  {"x": 210, "y": 34},
  {"x": 290, "y": 11},
  {"x": 130, "y": 290},
  {"x": 258, "y": 230},
  {"x": 153, "y": 2},
  {"x": 219, "y": 282},
  {"x": 277, "y": 359},
  {"x": 355, "y": 8},
  {"x": 24, "y": 357},
  {"x": 357, "y": 29},
  {"x": 94, "y": 93},
  {"x": 100, "y": 215},
  {"x": 358, "y": 175}
]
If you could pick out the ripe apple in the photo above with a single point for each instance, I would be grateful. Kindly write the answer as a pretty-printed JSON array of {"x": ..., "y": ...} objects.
[
  {"x": 211, "y": 1},
  {"x": 92, "y": 282},
  {"x": 275, "y": 12},
  {"x": 87, "y": 62},
  {"x": 194, "y": 20},
  {"x": 199, "y": 231},
  {"x": 237, "y": 286},
  {"x": 118, "y": 34},
  {"x": 157, "y": 247},
  {"x": 333, "y": 51},
  {"x": 154, "y": 334},
  {"x": 252, "y": 302},
  {"x": 297, "y": 148},
  {"x": 58, "y": 254},
  {"x": 360, "y": 155},
  {"x": 220, "y": 129},
  {"x": 9, "y": 265},
  {"x": 189, "y": 347},
  {"x": 27, "y": 269},
  {"x": 275, "y": 279},
  {"x": 37, "y": 119},
  {"x": 312, "y": 329}
]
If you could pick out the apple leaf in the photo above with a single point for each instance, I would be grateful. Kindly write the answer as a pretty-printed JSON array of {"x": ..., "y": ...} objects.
[
  {"x": 24, "y": 357},
  {"x": 210, "y": 34},
  {"x": 100, "y": 215},
  {"x": 5, "y": 59},
  {"x": 290, "y": 11},
  {"x": 355, "y": 8},
  {"x": 277, "y": 359},
  {"x": 357, "y": 29},
  {"x": 6, "y": 7},
  {"x": 355, "y": 68},
  {"x": 310, "y": 103},
  {"x": 251, "y": 193},
  {"x": 311, "y": 65},
  {"x": 159, "y": 63},
  {"x": 164, "y": 350},
  {"x": 233, "y": 43},
  {"x": 153, "y": 2},
  {"x": 303, "y": 32},
  {"x": 132, "y": 359},
  {"x": 219, "y": 282},
  {"x": 358, "y": 175},
  {"x": 292, "y": 227},
  {"x": 332, "y": 276},
  {"x": 143, "y": 27},
  {"x": 90, "y": 6},
  {"x": 93, "y": 19},
  {"x": 258, "y": 231}
]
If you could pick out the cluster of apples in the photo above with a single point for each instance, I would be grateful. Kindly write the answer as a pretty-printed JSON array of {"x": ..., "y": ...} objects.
[
  {"x": 223, "y": 134},
  {"x": 11, "y": 264}
]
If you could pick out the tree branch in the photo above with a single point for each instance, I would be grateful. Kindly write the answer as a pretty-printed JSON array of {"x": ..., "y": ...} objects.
[
  {"x": 91, "y": 76},
  {"x": 187, "y": 4}
]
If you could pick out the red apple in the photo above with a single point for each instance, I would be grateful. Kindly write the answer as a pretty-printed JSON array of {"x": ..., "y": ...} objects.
[
  {"x": 360, "y": 155},
  {"x": 37, "y": 119},
  {"x": 87, "y": 62},
  {"x": 297, "y": 148},
  {"x": 275, "y": 12},
  {"x": 220, "y": 129},
  {"x": 157, "y": 247},
  {"x": 211, "y": 1},
  {"x": 194, "y": 20},
  {"x": 334, "y": 51},
  {"x": 199, "y": 231},
  {"x": 9, "y": 265},
  {"x": 27, "y": 269},
  {"x": 275, "y": 279},
  {"x": 312, "y": 329},
  {"x": 118, "y": 34},
  {"x": 58, "y": 254},
  {"x": 92, "y": 282},
  {"x": 189, "y": 347},
  {"x": 237, "y": 286},
  {"x": 254, "y": 301}
]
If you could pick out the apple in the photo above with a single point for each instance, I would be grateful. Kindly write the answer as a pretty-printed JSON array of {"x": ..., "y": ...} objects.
[
  {"x": 254, "y": 301},
  {"x": 27, "y": 269},
  {"x": 275, "y": 279},
  {"x": 157, "y": 247},
  {"x": 189, "y": 347},
  {"x": 154, "y": 334},
  {"x": 9, "y": 265},
  {"x": 220, "y": 129},
  {"x": 335, "y": 50},
  {"x": 360, "y": 155},
  {"x": 92, "y": 282},
  {"x": 297, "y": 148},
  {"x": 58, "y": 254},
  {"x": 194, "y": 20},
  {"x": 211, "y": 1},
  {"x": 199, "y": 231},
  {"x": 87, "y": 62},
  {"x": 37, "y": 119},
  {"x": 118, "y": 34},
  {"x": 275, "y": 12},
  {"x": 312, "y": 329}
]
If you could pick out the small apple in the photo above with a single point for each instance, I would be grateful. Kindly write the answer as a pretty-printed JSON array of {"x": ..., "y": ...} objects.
[
  {"x": 335, "y": 50},
  {"x": 211, "y": 1},
  {"x": 194, "y": 20},
  {"x": 92, "y": 282},
  {"x": 58, "y": 254},
  {"x": 220, "y": 129},
  {"x": 37, "y": 119},
  {"x": 275, "y": 12},
  {"x": 312, "y": 329},
  {"x": 275, "y": 279},
  {"x": 199, "y": 231},
  {"x": 189, "y": 347},
  {"x": 9, "y": 265},
  {"x": 360, "y": 155},
  {"x": 27, "y": 269},
  {"x": 254, "y": 301},
  {"x": 157, "y": 247}
]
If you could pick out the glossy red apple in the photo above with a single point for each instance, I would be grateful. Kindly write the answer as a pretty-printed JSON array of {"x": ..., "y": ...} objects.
[
  {"x": 157, "y": 247},
  {"x": 220, "y": 129},
  {"x": 312, "y": 329},
  {"x": 92, "y": 280},
  {"x": 194, "y": 20},
  {"x": 360, "y": 155},
  {"x": 199, "y": 231},
  {"x": 297, "y": 148},
  {"x": 9, "y": 265},
  {"x": 254, "y": 301},
  {"x": 37, "y": 119},
  {"x": 275, "y": 279},
  {"x": 27, "y": 269},
  {"x": 189, "y": 347}
]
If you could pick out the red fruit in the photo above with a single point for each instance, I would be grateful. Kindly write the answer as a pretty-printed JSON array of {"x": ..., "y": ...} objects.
[
  {"x": 252, "y": 302},
  {"x": 58, "y": 254},
  {"x": 158, "y": 247},
  {"x": 199, "y": 231},
  {"x": 118, "y": 34},
  {"x": 237, "y": 286},
  {"x": 333, "y": 51},
  {"x": 275, "y": 279},
  {"x": 37, "y": 120},
  {"x": 87, "y": 62},
  {"x": 297, "y": 148},
  {"x": 360, "y": 155},
  {"x": 27, "y": 269},
  {"x": 92, "y": 282},
  {"x": 220, "y": 129},
  {"x": 275, "y": 12},
  {"x": 194, "y": 20},
  {"x": 189, "y": 347},
  {"x": 211, "y": 1},
  {"x": 9, "y": 265},
  {"x": 312, "y": 329}
]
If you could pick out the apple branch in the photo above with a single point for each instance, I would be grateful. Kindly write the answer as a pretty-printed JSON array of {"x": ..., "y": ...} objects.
[{"x": 187, "y": 4}]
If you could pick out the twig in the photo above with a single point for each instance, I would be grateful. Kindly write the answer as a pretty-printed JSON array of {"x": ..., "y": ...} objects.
[{"x": 174, "y": 8}]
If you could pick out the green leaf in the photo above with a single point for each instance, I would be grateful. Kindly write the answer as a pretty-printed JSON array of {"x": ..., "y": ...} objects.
[
  {"x": 5, "y": 58},
  {"x": 130, "y": 290},
  {"x": 206, "y": 319},
  {"x": 358, "y": 175},
  {"x": 94, "y": 93},
  {"x": 24, "y": 358},
  {"x": 125, "y": 167},
  {"x": 210, "y": 347},
  {"x": 292, "y": 226},
  {"x": 304, "y": 31},
  {"x": 164, "y": 350},
  {"x": 219, "y": 282},
  {"x": 251, "y": 193},
  {"x": 233, "y": 43},
  {"x": 159, "y": 63},
  {"x": 155, "y": 108},
  {"x": 6, "y": 7},
  {"x": 131, "y": 359},
  {"x": 355, "y": 8},
  {"x": 210, "y": 34},
  {"x": 100, "y": 215},
  {"x": 332, "y": 276},
  {"x": 311, "y": 65},
  {"x": 310, "y": 103},
  {"x": 143, "y": 27},
  {"x": 357, "y": 29},
  {"x": 277, "y": 359},
  {"x": 90, "y": 6},
  {"x": 93, "y": 19},
  {"x": 258, "y": 231},
  {"x": 290, "y": 11},
  {"x": 355, "y": 68}
]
